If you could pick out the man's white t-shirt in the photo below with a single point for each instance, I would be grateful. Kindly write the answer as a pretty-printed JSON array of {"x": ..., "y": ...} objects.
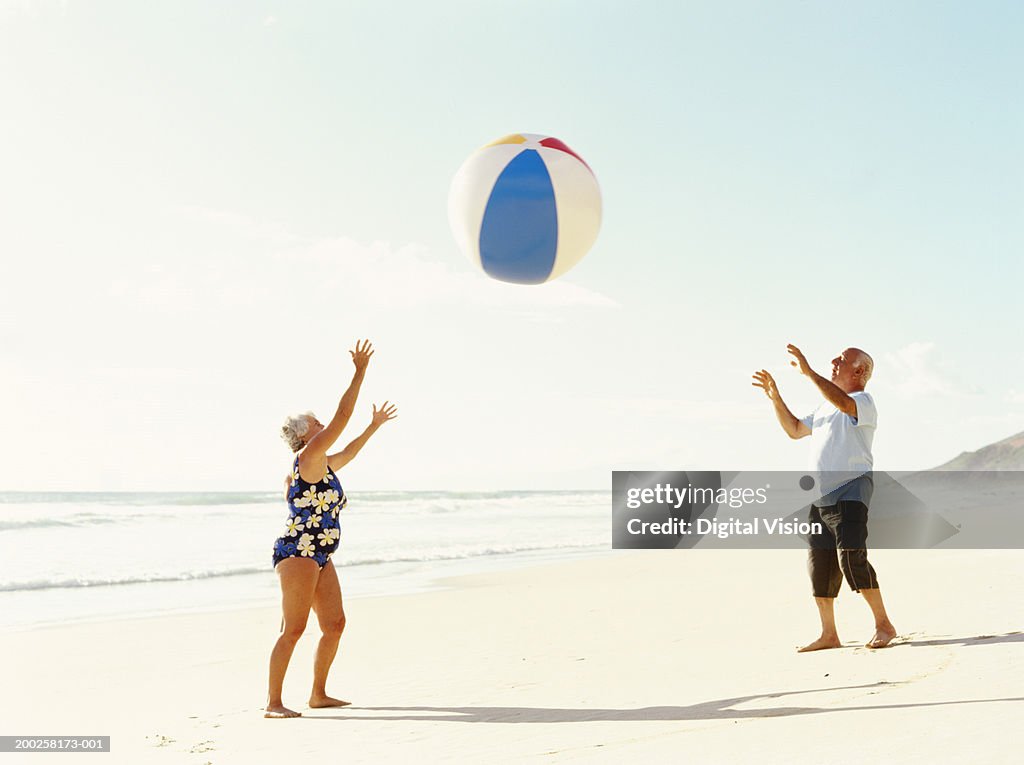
[{"x": 841, "y": 449}]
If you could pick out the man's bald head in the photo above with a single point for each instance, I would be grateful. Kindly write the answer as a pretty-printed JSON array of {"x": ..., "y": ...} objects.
[
  {"x": 852, "y": 369},
  {"x": 864, "y": 362}
]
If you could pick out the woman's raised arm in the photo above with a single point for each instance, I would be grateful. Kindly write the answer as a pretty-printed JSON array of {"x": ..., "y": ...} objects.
[
  {"x": 313, "y": 457},
  {"x": 387, "y": 411}
]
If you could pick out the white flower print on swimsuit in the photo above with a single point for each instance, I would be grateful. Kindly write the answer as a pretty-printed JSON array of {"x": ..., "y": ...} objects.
[{"x": 312, "y": 529}]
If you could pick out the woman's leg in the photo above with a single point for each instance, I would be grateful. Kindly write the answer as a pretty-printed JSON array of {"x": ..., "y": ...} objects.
[
  {"x": 331, "y": 615},
  {"x": 298, "y": 583}
]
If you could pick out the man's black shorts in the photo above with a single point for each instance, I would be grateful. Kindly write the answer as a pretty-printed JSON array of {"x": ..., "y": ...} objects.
[{"x": 840, "y": 550}]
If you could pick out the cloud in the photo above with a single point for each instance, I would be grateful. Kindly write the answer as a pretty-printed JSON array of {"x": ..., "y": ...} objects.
[
  {"x": 379, "y": 274},
  {"x": 686, "y": 410},
  {"x": 270, "y": 21},
  {"x": 1015, "y": 397},
  {"x": 33, "y": 8},
  {"x": 243, "y": 225},
  {"x": 917, "y": 370},
  {"x": 409, "y": 276}
]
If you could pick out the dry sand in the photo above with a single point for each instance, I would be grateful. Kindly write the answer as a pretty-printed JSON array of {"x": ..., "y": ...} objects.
[{"x": 656, "y": 656}]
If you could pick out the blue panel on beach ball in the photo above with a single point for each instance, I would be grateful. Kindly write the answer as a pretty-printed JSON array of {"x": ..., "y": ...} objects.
[{"x": 519, "y": 231}]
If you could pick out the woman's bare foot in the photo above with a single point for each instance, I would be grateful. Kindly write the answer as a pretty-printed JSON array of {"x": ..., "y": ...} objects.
[
  {"x": 825, "y": 641},
  {"x": 280, "y": 711},
  {"x": 321, "y": 700},
  {"x": 883, "y": 636}
]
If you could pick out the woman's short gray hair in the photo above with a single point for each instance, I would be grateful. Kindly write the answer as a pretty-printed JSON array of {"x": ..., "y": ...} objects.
[{"x": 295, "y": 429}]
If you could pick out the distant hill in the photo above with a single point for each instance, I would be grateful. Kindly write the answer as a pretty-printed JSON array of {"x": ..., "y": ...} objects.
[{"x": 1007, "y": 454}]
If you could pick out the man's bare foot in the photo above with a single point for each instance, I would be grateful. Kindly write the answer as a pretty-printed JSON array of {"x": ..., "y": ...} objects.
[
  {"x": 825, "y": 641},
  {"x": 323, "y": 700},
  {"x": 883, "y": 636},
  {"x": 280, "y": 711}
]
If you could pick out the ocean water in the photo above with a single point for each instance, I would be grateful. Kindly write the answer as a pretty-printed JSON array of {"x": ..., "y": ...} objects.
[{"x": 86, "y": 556}]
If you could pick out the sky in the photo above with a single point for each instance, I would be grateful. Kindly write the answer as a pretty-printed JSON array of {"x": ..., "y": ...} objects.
[{"x": 203, "y": 207}]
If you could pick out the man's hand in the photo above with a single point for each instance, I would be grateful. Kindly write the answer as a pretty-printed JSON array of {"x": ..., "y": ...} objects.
[
  {"x": 766, "y": 382},
  {"x": 793, "y": 427},
  {"x": 361, "y": 356},
  {"x": 800, "y": 361},
  {"x": 386, "y": 412}
]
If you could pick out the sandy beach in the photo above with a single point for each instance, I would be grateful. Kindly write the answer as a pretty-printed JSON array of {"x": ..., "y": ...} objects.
[{"x": 648, "y": 656}]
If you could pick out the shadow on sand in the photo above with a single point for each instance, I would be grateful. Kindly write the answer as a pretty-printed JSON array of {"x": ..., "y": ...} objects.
[
  {"x": 719, "y": 709},
  {"x": 1009, "y": 637}
]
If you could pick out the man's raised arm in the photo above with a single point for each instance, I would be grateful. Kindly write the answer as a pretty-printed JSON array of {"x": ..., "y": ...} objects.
[{"x": 832, "y": 392}]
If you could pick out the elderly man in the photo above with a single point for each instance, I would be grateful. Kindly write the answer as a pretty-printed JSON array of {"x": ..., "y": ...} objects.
[{"x": 841, "y": 432}]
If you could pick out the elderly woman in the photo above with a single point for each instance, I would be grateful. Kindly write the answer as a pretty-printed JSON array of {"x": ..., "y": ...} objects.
[{"x": 302, "y": 555}]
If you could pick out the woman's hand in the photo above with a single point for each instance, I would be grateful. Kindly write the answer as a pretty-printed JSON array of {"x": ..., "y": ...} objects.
[
  {"x": 386, "y": 412},
  {"x": 361, "y": 356}
]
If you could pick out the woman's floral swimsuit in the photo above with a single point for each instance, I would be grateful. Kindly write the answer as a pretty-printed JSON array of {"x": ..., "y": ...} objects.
[{"x": 313, "y": 530}]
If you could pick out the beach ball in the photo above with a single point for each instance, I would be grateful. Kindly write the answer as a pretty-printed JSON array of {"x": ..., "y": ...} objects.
[{"x": 525, "y": 208}]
